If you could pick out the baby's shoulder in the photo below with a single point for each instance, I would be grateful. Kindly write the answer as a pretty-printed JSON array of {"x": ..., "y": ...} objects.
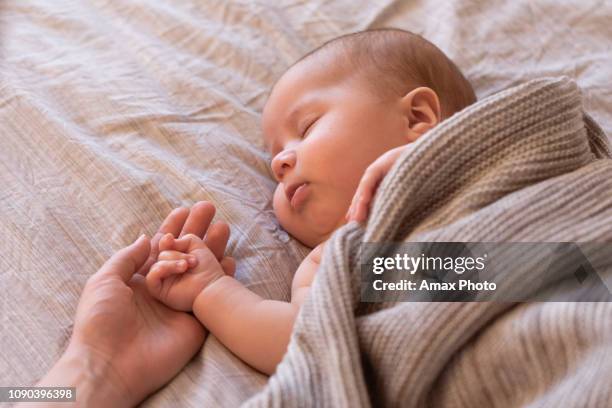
[
  {"x": 307, "y": 269},
  {"x": 316, "y": 254}
]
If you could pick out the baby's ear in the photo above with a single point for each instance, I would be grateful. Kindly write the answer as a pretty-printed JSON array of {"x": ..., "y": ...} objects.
[{"x": 421, "y": 108}]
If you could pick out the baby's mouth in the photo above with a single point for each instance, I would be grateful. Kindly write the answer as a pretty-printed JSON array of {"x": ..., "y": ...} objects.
[{"x": 296, "y": 193}]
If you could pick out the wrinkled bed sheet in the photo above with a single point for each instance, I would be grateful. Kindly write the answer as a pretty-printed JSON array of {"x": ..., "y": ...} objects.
[{"x": 112, "y": 113}]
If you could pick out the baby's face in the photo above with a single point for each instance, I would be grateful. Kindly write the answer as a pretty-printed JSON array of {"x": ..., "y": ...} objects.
[{"x": 323, "y": 130}]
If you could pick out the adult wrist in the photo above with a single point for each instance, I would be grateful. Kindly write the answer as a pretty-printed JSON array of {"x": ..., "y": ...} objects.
[{"x": 96, "y": 384}]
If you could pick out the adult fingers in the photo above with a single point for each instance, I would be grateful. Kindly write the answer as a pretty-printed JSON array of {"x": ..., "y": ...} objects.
[
  {"x": 128, "y": 260},
  {"x": 229, "y": 265},
  {"x": 174, "y": 222},
  {"x": 199, "y": 219},
  {"x": 144, "y": 269},
  {"x": 216, "y": 238}
]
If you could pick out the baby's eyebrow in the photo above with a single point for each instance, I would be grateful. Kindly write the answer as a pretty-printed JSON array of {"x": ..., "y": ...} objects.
[
  {"x": 289, "y": 119},
  {"x": 297, "y": 110}
]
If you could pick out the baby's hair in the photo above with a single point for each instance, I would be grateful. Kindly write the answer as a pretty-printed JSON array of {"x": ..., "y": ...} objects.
[{"x": 395, "y": 61}]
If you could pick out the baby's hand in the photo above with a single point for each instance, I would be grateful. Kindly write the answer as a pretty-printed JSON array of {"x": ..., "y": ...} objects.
[
  {"x": 184, "y": 268},
  {"x": 358, "y": 210}
]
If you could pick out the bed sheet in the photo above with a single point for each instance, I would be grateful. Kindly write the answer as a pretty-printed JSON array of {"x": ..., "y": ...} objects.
[{"x": 113, "y": 113}]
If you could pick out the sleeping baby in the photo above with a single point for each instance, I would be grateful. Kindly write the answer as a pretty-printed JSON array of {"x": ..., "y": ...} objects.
[{"x": 334, "y": 123}]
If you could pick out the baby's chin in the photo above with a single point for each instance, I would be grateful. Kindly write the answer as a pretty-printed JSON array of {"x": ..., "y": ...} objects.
[
  {"x": 299, "y": 228},
  {"x": 310, "y": 227},
  {"x": 307, "y": 237}
]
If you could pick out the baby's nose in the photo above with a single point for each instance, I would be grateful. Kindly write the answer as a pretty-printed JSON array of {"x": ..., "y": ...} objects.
[{"x": 282, "y": 163}]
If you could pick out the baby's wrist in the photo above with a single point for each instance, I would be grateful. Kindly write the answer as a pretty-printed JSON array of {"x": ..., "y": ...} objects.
[
  {"x": 212, "y": 280},
  {"x": 209, "y": 290}
]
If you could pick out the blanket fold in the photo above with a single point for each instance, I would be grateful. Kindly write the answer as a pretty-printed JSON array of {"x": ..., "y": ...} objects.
[{"x": 524, "y": 165}]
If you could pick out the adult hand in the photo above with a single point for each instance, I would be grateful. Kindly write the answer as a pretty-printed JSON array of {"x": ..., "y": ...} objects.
[
  {"x": 125, "y": 344},
  {"x": 182, "y": 272},
  {"x": 181, "y": 222},
  {"x": 178, "y": 288}
]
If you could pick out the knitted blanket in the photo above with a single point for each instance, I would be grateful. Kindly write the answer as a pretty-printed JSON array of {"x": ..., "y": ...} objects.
[{"x": 524, "y": 165}]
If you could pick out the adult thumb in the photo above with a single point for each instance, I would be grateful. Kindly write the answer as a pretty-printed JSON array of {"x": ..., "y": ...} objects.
[{"x": 125, "y": 262}]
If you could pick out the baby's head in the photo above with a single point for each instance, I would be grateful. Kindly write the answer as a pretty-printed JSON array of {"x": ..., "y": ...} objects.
[{"x": 337, "y": 109}]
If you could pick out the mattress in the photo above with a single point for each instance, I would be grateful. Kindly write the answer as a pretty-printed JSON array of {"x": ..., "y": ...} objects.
[{"x": 113, "y": 113}]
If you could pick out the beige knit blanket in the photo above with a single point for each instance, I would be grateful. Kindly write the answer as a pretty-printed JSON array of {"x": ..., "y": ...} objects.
[{"x": 524, "y": 165}]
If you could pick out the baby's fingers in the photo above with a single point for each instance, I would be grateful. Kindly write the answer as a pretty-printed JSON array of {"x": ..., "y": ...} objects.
[
  {"x": 167, "y": 255},
  {"x": 166, "y": 242},
  {"x": 367, "y": 187},
  {"x": 161, "y": 270},
  {"x": 187, "y": 243}
]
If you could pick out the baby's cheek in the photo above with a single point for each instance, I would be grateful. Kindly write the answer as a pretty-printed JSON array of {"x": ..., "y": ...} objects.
[
  {"x": 281, "y": 207},
  {"x": 290, "y": 221}
]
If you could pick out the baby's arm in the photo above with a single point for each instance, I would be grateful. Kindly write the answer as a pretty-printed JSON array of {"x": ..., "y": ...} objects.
[{"x": 257, "y": 330}]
